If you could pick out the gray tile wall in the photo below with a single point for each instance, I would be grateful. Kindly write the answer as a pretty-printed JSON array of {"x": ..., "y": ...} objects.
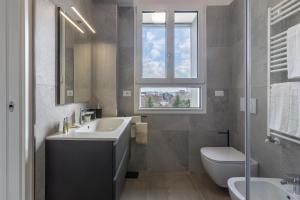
[
  {"x": 48, "y": 115},
  {"x": 237, "y": 73},
  {"x": 104, "y": 71},
  {"x": 175, "y": 140}
]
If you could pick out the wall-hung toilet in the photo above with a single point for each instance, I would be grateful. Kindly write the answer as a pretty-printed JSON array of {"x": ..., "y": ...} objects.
[{"x": 222, "y": 163}]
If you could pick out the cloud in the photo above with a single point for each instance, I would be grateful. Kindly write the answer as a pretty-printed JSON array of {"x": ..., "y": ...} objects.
[
  {"x": 183, "y": 70},
  {"x": 154, "y": 51},
  {"x": 153, "y": 69},
  {"x": 182, "y": 53},
  {"x": 186, "y": 45},
  {"x": 150, "y": 36}
]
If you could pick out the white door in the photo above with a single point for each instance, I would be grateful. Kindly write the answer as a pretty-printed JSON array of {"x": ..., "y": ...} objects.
[
  {"x": 14, "y": 91},
  {"x": 2, "y": 101},
  {"x": 14, "y": 63}
]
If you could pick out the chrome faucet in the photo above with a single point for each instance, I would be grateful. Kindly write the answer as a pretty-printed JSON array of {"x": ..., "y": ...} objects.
[
  {"x": 81, "y": 114},
  {"x": 84, "y": 112},
  {"x": 294, "y": 180}
]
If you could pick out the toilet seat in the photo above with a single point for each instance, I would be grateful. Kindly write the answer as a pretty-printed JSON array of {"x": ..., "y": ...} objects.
[{"x": 223, "y": 155}]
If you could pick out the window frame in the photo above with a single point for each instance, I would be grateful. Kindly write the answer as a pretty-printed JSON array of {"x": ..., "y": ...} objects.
[{"x": 170, "y": 80}]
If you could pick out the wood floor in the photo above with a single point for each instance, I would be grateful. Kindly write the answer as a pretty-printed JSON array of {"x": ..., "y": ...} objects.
[{"x": 173, "y": 186}]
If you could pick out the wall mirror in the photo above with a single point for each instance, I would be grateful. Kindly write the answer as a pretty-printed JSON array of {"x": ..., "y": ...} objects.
[{"x": 74, "y": 52}]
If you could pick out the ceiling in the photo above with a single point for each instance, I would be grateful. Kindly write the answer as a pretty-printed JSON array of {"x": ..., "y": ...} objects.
[{"x": 208, "y": 2}]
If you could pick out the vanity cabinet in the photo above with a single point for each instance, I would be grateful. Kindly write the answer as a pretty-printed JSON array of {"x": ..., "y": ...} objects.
[{"x": 87, "y": 169}]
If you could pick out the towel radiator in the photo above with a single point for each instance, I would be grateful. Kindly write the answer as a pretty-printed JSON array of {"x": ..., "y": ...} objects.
[{"x": 277, "y": 50}]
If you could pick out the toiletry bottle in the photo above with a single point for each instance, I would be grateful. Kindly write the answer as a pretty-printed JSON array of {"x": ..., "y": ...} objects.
[
  {"x": 69, "y": 122},
  {"x": 65, "y": 126}
]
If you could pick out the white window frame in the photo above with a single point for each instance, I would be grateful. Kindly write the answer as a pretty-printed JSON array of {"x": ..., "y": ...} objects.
[{"x": 170, "y": 80}]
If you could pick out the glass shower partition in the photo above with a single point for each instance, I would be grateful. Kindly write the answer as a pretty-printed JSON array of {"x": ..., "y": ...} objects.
[{"x": 272, "y": 118}]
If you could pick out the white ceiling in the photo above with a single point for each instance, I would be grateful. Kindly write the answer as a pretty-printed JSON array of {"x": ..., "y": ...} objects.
[
  {"x": 188, "y": 17},
  {"x": 207, "y": 2}
]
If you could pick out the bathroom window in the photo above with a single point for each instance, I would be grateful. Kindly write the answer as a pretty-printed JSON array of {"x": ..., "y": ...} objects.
[
  {"x": 185, "y": 44},
  {"x": 171, "y": 97},
  {"x": 154, "y": 45},
  {"x": 170, "y": 62}
]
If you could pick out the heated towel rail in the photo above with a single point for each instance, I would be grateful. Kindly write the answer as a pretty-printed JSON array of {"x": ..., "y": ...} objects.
[{"x": 277, "y": 49}]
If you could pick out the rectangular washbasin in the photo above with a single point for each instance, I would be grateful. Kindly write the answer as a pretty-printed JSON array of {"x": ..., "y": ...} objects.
[
  {"x": 100, "y": 129},
  {"x": 102, "y": 125}
]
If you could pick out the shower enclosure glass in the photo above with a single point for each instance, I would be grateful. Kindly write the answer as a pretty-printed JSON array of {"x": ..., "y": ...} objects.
[{"x": 272, "y": 123}]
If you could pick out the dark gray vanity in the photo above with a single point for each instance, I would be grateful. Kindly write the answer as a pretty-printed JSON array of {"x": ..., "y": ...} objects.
[{"x": 87, "y": 169}]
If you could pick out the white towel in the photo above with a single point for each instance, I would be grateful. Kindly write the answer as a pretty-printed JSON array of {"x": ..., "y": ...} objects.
[
  {"x": 293, "y": 49},
  {"x": 296, "y": 103},
  {"x": 293, "y": 109},
  {"x": 285, "y": 108},
  {"x": 279, "y": 107},
  {"x": 141, "y": 133},
  {"x": 134, "y": 120},
  {"x": 133, "y": 130}
]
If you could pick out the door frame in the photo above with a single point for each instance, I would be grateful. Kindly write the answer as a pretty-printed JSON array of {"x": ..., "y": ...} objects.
[
  {"x": 16, "y": 78},
  {"x": 28, "y": 101}
]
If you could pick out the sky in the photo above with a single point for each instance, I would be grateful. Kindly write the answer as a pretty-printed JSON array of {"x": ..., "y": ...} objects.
[
  {"x": 182, "y": 52},
  {"x": 154, "y": 52}
]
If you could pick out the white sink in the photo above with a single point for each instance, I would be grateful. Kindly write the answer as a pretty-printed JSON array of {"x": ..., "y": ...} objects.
[
  {"x": 102, "y": 125},
  {"x": 261, "y": 189},
  {"x": 101, "y": 129}
]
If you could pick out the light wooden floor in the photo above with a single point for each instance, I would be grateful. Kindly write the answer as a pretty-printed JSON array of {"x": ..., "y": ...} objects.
[{"x": 172, "y": 186}]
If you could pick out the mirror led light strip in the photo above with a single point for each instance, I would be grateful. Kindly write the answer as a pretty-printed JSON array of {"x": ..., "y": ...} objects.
[
  {"x": 82, "y": 18},
  {"x": 72, "y": 22}
]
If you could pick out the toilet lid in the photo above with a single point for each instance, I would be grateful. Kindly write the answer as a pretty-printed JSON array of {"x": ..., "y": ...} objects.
[{"x": 223, "y": 154}]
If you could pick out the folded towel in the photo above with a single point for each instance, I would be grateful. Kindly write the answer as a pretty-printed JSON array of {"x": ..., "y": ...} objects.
[
  {"x": 133, "y": 131},
  {"x": 279, "y": 107},
  {"x": 293, "y": 49},
  {"x": 296, "y": 107},
  {"x": 285, "y": 108},
  {"x": 134, "y": 120},
  {"x": 141, "y": 133},
  {"x": 293, "y": 109}
]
